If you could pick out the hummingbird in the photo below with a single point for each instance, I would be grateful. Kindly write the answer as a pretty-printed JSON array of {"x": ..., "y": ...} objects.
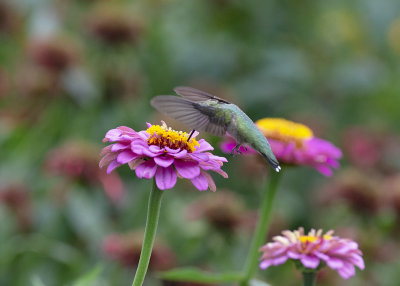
[{"x": 204, "y": 112}]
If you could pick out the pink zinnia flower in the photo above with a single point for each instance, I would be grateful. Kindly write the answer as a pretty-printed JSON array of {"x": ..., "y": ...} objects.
[
  {"x": 295, "y": 144},
  {"x": 164, "y": 153},
  {"x": 338, "y": 253}
]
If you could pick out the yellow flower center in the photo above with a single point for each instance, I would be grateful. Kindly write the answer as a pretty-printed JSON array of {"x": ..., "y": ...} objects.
[
  {"x": 312, "y": 238},
  {"x": 163, "y": 136},
  {"x": 308, "y": 238},
  {"x": 284, "y": 130}
]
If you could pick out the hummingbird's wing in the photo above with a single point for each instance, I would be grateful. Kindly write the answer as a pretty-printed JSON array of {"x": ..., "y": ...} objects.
[
  {"x": 196, "y": 95},
  {"x": 195, "y": 115}
]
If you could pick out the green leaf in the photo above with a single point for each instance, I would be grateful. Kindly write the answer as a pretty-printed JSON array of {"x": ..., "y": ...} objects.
[
  {"x": 199, "y": 276},
  {"x": 255, "y": 282},
  {"x": 89, "y": 278}
]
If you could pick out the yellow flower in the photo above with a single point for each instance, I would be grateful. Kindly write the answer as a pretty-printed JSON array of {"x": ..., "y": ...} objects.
[
  {"x": 163, "y": 136},
  {"x": 284, "y": 130}
]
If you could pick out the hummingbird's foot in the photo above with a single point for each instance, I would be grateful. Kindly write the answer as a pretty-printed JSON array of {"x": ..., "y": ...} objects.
[{"x": 236, "y": 150}]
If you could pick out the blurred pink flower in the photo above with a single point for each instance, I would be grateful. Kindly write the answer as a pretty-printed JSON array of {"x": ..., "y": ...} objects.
[
  {"x": 391, "y": 192},
  {"x": 114, "y": 24},
  {"x": 295, "y": 144},
  {"x": 126, "y": 248},
  {"x": 164, "y": 153},
  {"x": 77, "y": 161},
  {"x": 18, "y": 199},
  {"x": 311, "y": 249},
  {"x": 363, "y": 147},
  {"x": 10, "y": 20},
  {"x": 55, "y": 54},
  {"x": 4, "y": 83},
  {"x": 361, "y": 191},
  {"x": 372, "y": 149},
  {"x": 223, "y": 210}
]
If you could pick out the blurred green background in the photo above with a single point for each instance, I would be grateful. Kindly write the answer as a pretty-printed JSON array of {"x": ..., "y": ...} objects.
[{"x": 72, "y": 70}]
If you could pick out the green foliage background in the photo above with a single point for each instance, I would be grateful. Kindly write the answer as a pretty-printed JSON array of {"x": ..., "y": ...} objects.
[{"x": 332, "y": 65}]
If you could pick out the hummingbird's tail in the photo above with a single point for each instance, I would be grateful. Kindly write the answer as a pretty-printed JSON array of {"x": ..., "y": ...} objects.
[{"x": 272, "y": 161}]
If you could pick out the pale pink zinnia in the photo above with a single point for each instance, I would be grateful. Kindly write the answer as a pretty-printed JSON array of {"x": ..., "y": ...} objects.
[
  {"x": 162, "y": 153},
  {"x": 295, "y": 144},
  {"x": 311, "y": 249}
]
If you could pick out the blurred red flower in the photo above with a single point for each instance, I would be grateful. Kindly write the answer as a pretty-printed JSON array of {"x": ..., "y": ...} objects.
[
  {"x": 18, "y": 199},
  {"x": 114, "y": 24},
  {"x": 360, "y": 190},
  {"x": 55, "y": 54},
  {"x": 78, "y": 161}
]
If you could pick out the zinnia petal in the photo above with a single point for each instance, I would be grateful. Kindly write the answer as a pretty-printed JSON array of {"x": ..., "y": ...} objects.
[
  {"x": 187, "y": 169},
  {"x": 114, "y": 164},
  {"x": 119, "y": 146},
  {"x": 204, "y": 146},
  {"x": 164, "y": 161},
  {"x": 200, "y": 182},
  {"x": 165, "y": 178},
  {"x": 126, "y": 156},
  {"x": 146, "y": 170},
  {"x": 310, "y": 261}
]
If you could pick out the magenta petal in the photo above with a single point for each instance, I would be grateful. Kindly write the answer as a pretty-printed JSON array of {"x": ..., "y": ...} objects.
[
  {"x": 187, "y": 169},
  {"x": 142, "y": 149},
  {"x": 357, "y": 261},
  {"x": 347, "y": 271},
  {"x": 146, "y": 170},
  {"x": 112, "y": 135},
  {"x": 324, "y": 170},
  {"x": 309, "y": 261},
  {"x": 265, "y": 264},
  {"x": 107, "y": 159},
  {"x": 210, "y": 181},
  {"x": 119, "y": 146},
  {"x": 166, "y": 178},
  {"x": 126, "y": 129},
  {"x": 200, "y": 182},
  {"x": 155, "y": 149},
  {"x": 334, "y": 263},
  {"x": 293, "y": 255},
  {"x": 279, "y": 260},
  {"x": 126, "y": 156},
  {"x": 228, "y": 146},
  {"x": 114, "y": 164},
  {"x": 172, "y": 151},
  {"x": 164, "y": 161},
  {"x": 180, "y": 154},
  {"x": 105, "y": 150},
  {"x": 199, "y": 156},
  {"x": 217, "y": 158},
  {"x": 204, "y": 146}
]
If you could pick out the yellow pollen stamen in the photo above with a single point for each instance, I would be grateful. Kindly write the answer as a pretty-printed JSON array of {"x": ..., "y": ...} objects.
[
  {"x": 308, "y": 238},
  {"x": 284, "y": 130},
  {"x": 164, "y": 136},
  {"x": 311, "y": 238}
]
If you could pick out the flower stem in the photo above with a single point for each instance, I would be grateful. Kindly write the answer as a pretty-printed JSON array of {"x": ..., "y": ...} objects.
[
  {"x": 309, "y": 278},
  {"x": 261, "y": 230},
  {"x": 153, "y": 213}
]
